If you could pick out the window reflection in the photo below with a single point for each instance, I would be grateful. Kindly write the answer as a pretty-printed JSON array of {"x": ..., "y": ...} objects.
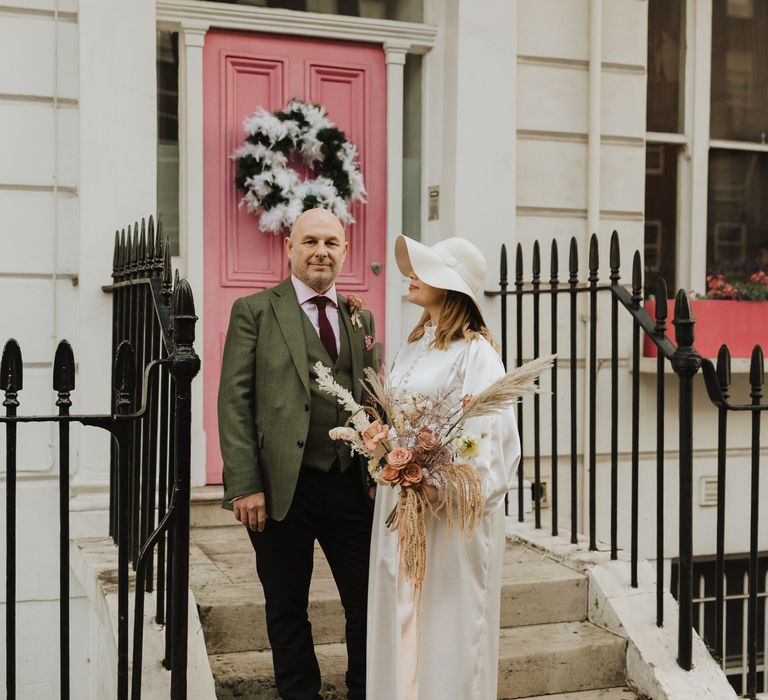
[
  {"x": 168, "y": 135},
  {"x": 403, "y": 10},
  {"x": 666, "y": 66},
  {"x": 737, "y": 231},
  {"x": 740, "y": 70},
  {"x": 660, "y": 215}
]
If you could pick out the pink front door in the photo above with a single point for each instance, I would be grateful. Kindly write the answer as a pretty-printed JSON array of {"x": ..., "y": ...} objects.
[{"x": 243, "y": 71}]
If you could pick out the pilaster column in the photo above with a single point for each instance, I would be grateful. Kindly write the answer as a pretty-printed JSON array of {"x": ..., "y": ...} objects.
[
  {"x": 191, "y": 43},
  {"x": 395, "y": 52}
]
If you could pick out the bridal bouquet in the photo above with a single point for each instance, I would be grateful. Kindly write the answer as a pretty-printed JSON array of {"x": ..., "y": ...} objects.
[{"x": 413, "y": 442}]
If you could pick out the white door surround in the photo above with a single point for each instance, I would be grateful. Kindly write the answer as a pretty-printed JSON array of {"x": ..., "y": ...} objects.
[{"x": 192, "y": 19}]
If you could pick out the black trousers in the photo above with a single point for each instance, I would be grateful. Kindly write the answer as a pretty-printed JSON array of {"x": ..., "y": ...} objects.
[{"x": 330, "y": 508}]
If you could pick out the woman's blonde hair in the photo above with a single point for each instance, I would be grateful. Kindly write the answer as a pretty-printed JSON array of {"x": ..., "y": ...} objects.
[{"x": 459, "y": 319}]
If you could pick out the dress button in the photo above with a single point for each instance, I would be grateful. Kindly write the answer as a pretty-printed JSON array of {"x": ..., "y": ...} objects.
[
  {"x": 306, "y": 406},
  {"x": 300, "y": 443}
]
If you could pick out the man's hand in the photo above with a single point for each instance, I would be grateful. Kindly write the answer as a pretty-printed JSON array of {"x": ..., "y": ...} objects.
[
  {"x": 372, "y": 493},
  {"x": 251, "y": 511}
]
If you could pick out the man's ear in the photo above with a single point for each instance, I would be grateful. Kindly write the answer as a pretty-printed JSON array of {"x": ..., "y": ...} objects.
[{"x": 288, "y": 245}]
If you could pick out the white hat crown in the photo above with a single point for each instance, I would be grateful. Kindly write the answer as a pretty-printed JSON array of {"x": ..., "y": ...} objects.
[{"x": 453, "y": 263}]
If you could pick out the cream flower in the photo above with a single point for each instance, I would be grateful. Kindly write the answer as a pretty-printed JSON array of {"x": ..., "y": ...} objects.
[
  {"x": 342, "y": 433},
  {"x": 467, "y": 446}
]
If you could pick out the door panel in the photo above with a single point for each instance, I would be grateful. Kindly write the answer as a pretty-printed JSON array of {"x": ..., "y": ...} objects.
[{"x": 243, "y": 71}]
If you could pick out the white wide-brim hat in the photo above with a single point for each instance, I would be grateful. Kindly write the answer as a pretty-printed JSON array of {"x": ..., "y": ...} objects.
[{"x": 453, "y": 263}]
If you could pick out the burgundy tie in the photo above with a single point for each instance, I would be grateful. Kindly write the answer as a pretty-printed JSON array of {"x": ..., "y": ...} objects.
[{"x": 326, "y": 332}]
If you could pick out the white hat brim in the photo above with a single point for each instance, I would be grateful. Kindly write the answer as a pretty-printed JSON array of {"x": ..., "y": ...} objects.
[{"x": 429, "y": 267}]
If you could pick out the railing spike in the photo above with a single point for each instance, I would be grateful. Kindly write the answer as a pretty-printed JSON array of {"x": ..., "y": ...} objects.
[
  {"x": 573, "y": 257},
  {"x": 135, "y": 249},
  {"x": 615, "y": 256},
  {"x": 123, "y": 253},
  {"x": 683, "y": 320},
  {"x": 11, "y": 368},
  {"x": 519, "y": 262},
  {"x": 594, "y": 255},
  {"x": 536, "y": 266},
  {"x": 637, "y": 280},
  {"x": 167, "y": 287},
  {"x": 503, "y": 264},
  {"x": 724, "y": 369},
  {"x": 64, "y": 368},
  {"x": 157, "y": 264},
  {"x": 183, "y": 313},
  {"x": 143, "y": 248},
  {"x": 553, "y": 260},
  {"x": 757, "y": 369},
  {"x": 128, "y": 253},
  {"x": 116, "y": 256},
  {"x": 151, "y": 242}
]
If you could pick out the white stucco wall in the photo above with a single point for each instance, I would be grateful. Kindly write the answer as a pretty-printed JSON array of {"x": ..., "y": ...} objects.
[{"x": 77, "y": 134}]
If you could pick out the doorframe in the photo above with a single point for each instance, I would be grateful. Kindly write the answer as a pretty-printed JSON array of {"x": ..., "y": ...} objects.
[{"x": 192, "y": 19}]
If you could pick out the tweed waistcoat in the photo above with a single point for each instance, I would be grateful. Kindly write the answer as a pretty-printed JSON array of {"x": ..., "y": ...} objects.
[{"x": 320, "y": 452}]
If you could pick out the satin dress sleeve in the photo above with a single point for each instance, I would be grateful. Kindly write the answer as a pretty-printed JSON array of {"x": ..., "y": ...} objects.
[{"x": 500, "y": 448}]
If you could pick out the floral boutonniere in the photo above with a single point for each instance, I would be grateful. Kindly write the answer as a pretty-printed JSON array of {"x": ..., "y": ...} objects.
[{"x": 356, "y": 303}]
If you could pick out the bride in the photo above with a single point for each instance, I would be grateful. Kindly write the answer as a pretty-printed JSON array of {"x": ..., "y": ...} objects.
[{"x": 449, "y": 650}]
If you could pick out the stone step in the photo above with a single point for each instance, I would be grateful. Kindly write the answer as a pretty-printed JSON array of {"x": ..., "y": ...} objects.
[
  {"x": 205, "y": 508},
  {"x": 557, "y": 658},
  {"x": 535, "y": 590},
  {"x": 605, "y": 694}
]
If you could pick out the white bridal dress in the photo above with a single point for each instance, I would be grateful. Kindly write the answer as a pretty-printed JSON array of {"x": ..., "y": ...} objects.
[{"x": 458, "y": 655}]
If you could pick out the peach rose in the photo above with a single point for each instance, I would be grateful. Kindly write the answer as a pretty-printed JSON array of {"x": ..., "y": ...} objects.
[
  {"x": 400, "y": 458},
  {"x": 390, "y": 475},
  {"x": 427, "y": 440},
  {"x": 356, "y": 301},
  {"x": 374, "y": 434},
  {"x": 466, "y": 399},
  {"x": 411, "y": 475}
]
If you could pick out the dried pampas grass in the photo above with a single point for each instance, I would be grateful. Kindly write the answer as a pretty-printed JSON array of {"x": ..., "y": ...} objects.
[{"x": 520, "y": 382}]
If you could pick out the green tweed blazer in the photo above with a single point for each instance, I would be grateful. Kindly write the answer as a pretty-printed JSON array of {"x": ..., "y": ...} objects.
[{"x": 264, "y": 395}]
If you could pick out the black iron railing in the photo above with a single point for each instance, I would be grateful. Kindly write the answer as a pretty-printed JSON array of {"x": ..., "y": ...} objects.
[
  {"x": 685, "y": 362},
  {"x": 154, "y": 363}
]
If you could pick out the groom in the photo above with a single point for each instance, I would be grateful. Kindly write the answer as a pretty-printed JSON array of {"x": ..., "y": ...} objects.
[{"x": 283, "y": 476}]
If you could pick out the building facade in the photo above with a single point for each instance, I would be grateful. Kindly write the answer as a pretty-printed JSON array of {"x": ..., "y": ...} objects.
[{"x": 500, "y": 121}]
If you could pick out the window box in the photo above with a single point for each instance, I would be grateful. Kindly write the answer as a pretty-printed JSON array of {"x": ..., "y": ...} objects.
[{"x": 739, "y": 324}]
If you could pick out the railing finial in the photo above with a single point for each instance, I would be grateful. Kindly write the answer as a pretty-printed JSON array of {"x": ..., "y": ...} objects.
[
  {"x": 157, "y": 263},
  {"x": 150, "y": 260},
  {"x": 536, "y": 266},
  {"x": 724, "y": 369},
  {"x": 594, "y": 258},
  {"x": 615, "y": 255},
  {"x": 573, "y": 260},
  {"x": 167, "y": 288},
  {"x": 503, "y": 266},
  {"x": 64, "y": 368},
  {"x": 116, "y": 256},
  {"x": 519, "y": 263},
  {"x": 134, "y": 268},
  {"x": 11, "y": 370},
  {"x": 142, "y": 263},
  {"x": 637, "y": 280},
  {"x": 756, "y": 372},
  {"x": 553, "y": 262}
]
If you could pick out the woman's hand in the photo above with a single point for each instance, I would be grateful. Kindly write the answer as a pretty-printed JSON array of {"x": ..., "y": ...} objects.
[{"x": 431, "y": 493}]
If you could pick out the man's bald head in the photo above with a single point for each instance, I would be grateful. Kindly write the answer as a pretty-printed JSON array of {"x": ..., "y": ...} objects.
[
  {"x": 316, "y": 219},
  {"x": 317, "y": 248}
]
